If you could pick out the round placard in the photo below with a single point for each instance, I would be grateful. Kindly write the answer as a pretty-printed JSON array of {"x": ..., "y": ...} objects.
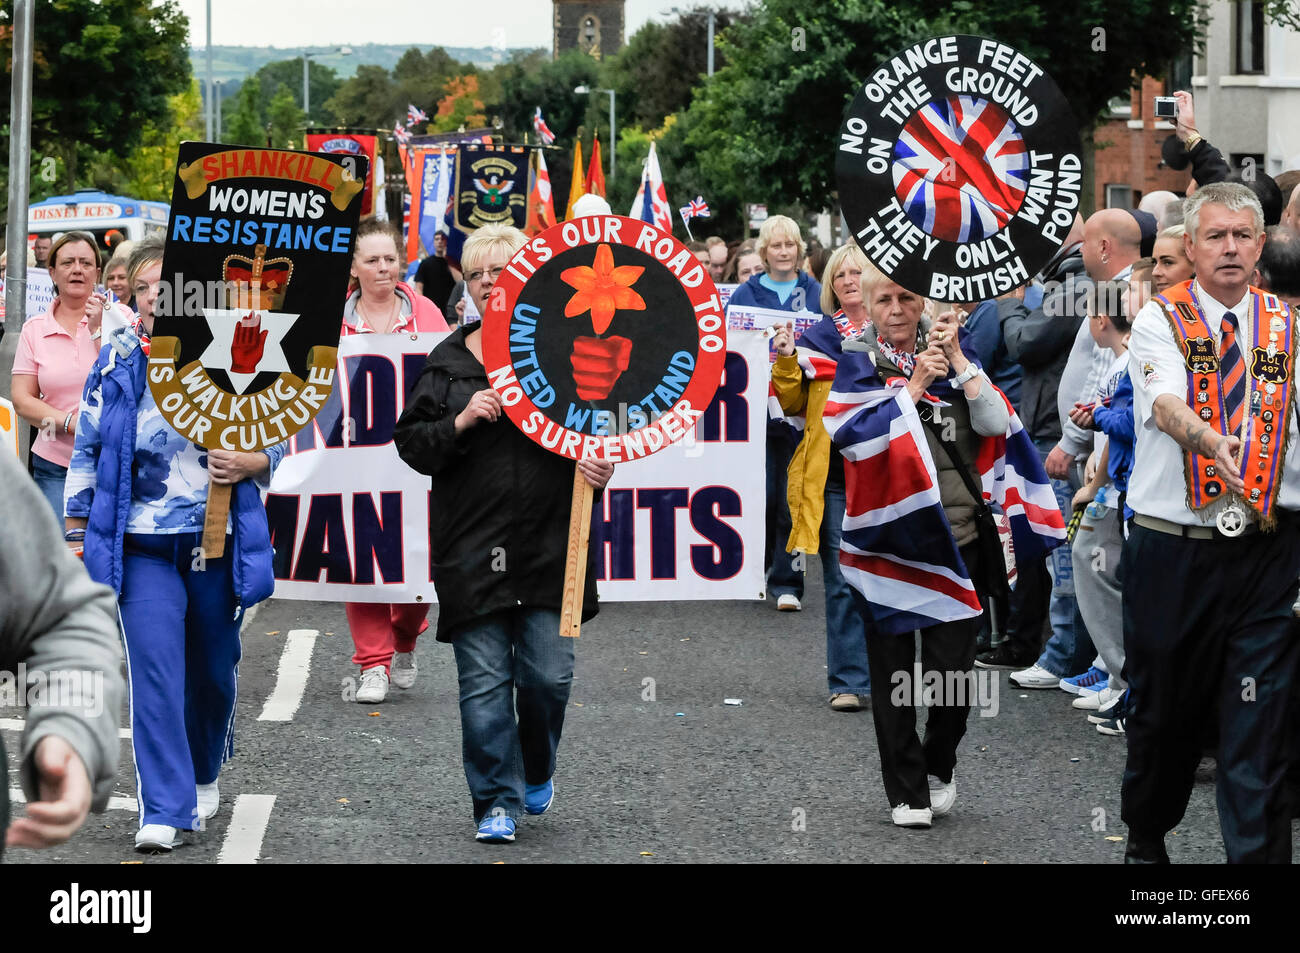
[
  {"x": 605, "y": 338},
  {"x": 959, "y": 168}
]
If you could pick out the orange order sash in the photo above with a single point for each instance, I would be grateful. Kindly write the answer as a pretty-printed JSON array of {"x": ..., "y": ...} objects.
[{"x": 1270, "y": 395}]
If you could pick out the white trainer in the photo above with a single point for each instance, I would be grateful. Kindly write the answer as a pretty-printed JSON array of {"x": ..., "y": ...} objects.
[
  {"x": 1035, "y": 677},
  {"x": 905, "y": 816},
  {"x": 1092, "y": 701},
  {"x": 209, "y": 799},
  {"x": 157, "y": 837},
  {"x": 404, "y": 670},
  {"x": 374, "y": 686},
  {"x": 942, "y": 796},
  {"x": 788, "y": 602}
]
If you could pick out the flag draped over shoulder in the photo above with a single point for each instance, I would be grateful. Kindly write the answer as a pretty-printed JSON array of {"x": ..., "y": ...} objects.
[{"x": 897, "y": 549}]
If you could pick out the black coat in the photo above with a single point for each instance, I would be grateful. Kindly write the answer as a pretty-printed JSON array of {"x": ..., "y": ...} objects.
[
  {"x": 1040, "y": 340},
  {"x": 499, "y": 507}
]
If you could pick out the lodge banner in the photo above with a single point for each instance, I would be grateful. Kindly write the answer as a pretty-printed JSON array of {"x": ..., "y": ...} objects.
[
  {"x": 491, "y": 186},
  {"x": 350, "y": 521},
  {"x": 351, "y": 144}
]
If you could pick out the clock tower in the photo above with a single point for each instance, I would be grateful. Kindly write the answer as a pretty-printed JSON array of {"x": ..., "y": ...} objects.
[{"x": 593, "y": 26}]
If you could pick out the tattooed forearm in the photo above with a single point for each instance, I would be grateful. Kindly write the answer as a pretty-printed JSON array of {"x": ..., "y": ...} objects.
[{"x": 1182, "y": 423}]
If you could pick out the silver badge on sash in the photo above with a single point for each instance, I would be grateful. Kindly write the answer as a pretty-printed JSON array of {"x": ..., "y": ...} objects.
[{"x": 1231, "y": 519}]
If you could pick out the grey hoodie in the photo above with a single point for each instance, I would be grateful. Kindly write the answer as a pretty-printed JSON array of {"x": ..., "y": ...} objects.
[{"x": 61, "y": 628}]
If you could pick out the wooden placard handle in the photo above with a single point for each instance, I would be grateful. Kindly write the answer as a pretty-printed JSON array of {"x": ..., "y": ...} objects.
[
  {"x": 214, "y": 521},
  {"x": 575, "y": 563}
]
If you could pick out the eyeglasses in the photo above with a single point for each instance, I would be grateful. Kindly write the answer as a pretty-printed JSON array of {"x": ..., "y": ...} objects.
[{"x": 478, "y": 275}]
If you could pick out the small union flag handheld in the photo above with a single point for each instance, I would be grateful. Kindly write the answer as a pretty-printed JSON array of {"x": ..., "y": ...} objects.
[{"x": 415, "y": 114}]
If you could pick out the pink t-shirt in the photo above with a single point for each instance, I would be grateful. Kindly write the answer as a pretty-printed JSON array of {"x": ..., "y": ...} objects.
[{"x": 60, "y": 363}]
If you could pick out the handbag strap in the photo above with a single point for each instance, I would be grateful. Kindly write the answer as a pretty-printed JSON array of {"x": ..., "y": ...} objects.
[{"x": 949, "y": 447}]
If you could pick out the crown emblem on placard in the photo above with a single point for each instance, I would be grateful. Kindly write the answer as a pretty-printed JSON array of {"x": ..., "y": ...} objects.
[{"x": 256, "y": 283}]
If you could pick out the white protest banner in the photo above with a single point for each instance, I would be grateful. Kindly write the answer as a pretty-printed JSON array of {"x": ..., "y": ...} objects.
[
  {"x": 688, "y": 522},
  {"x": 40, "y": 293},
  {"x": 350, "y": 521}
]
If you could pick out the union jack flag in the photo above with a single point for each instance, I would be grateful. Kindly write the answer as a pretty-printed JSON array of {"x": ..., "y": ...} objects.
[
  {"x": 897, "y": 548},
  {"x": 698, "y": 208},
  {"x": 543, "y": 131},
  {"x": 960, "y": 168},
  {"x": 415, "y": 114},
  {"x": 401, "y": 134}
]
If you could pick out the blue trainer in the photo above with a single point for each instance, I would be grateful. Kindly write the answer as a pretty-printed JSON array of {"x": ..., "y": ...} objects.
[
  {"x": 1093, "y": 680},
  {"x": 538, "y": 797},
  {"x": 496, "y": 829}
]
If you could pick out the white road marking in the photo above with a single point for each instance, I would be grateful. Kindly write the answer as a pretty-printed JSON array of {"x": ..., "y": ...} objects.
[
  {"x": 291, "y": 677},
  {"x": 248, "y": 822},
  {"x": 17, "y": 724},
  {"x": 114, "y": 803}
]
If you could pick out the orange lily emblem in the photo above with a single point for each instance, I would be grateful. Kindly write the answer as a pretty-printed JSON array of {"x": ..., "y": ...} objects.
[{"x": 603, "y": 289}]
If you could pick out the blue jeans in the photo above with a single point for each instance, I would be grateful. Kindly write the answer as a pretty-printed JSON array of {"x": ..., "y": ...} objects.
[
  {"x": 782, "y": 577},
  {"x": 847, "y": 670},
  {"x": 50, "y": 477},
  {"x": 1069, "y": 651},
  {"x": 508, "y": 661}
]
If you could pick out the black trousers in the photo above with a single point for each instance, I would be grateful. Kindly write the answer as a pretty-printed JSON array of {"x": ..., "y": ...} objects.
[
  {"x": 1209, "y": 622},
  {"x": 905, "y": 759}
]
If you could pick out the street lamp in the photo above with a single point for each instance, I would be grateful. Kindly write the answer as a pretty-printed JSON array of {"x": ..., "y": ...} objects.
[
  {"x": 677, "y": 11},
  {"x": 585, "y": 90},
  {"x": 306, "y": 96},
  {"x": 217, "y": 127}
]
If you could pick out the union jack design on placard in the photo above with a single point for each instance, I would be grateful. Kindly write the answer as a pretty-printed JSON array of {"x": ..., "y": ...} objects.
[
  {"x": 960, "y": 168},
  {"x": 897, "y": 548}
]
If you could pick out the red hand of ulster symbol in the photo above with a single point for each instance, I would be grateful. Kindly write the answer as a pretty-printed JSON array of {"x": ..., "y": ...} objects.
[
  {"x": 598, "y": 363},
  {"x": 246, "y": 348}
]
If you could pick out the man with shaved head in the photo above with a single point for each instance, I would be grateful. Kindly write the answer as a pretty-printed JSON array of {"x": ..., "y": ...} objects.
[{"x": 1111, "y": 244}]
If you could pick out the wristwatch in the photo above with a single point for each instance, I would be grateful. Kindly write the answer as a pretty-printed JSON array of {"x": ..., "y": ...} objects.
[{"x": 969, "y": 374}]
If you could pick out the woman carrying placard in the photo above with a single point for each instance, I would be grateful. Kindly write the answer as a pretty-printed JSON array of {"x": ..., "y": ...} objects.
[
  {"x": 499, "y": 527},
  {"x": 137, "y": 495}
]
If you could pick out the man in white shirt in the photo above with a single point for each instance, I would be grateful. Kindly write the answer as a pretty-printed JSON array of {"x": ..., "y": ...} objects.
[{"x": 1213, "y": 558}]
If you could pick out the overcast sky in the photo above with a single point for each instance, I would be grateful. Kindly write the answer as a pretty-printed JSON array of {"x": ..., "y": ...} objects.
[{"x": 331, "y": 23}]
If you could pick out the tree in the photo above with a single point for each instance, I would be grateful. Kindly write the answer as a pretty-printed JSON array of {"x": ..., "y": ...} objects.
[
  {"x": 459, "y": 106},
  {"x": 149, "y": 171},
  {"x": 527, "y": 83},
  {"x": 367, "y": 99},
  {"x": 285, "y": 118},
  {"x": 770, "y": 117},
  {"x": 245, "y": 125},
  {"x": 655, "y": 74},
  {"x": 101, "y": 72},
  {"x": 322, "y": 83}
]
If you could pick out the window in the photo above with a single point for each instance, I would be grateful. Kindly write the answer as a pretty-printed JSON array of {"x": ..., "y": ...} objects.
[
  {"x": 1119, "y": 196},
  {"x": 1120, "y": 107},
  {"x": 1248, "y": 25},
  {"x": 1179, "y": 74}
]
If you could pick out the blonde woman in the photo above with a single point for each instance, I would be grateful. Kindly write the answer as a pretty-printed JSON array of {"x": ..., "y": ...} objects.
[{"x": 780, "y": 286}]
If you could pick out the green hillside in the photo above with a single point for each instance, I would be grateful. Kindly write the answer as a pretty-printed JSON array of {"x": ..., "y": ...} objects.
[{"x": 236, "y": 62}]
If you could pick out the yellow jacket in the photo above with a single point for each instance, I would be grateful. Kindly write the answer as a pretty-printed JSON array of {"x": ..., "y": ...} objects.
[{"x": 806, "y": 481}]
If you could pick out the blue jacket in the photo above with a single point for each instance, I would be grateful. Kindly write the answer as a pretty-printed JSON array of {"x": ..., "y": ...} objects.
[
  {"x": 986, "y": 337},
  {"x": 119, "y": 376},
  {"x": 1116, "y": 421},
  {"x": 752, "y": 294}
]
